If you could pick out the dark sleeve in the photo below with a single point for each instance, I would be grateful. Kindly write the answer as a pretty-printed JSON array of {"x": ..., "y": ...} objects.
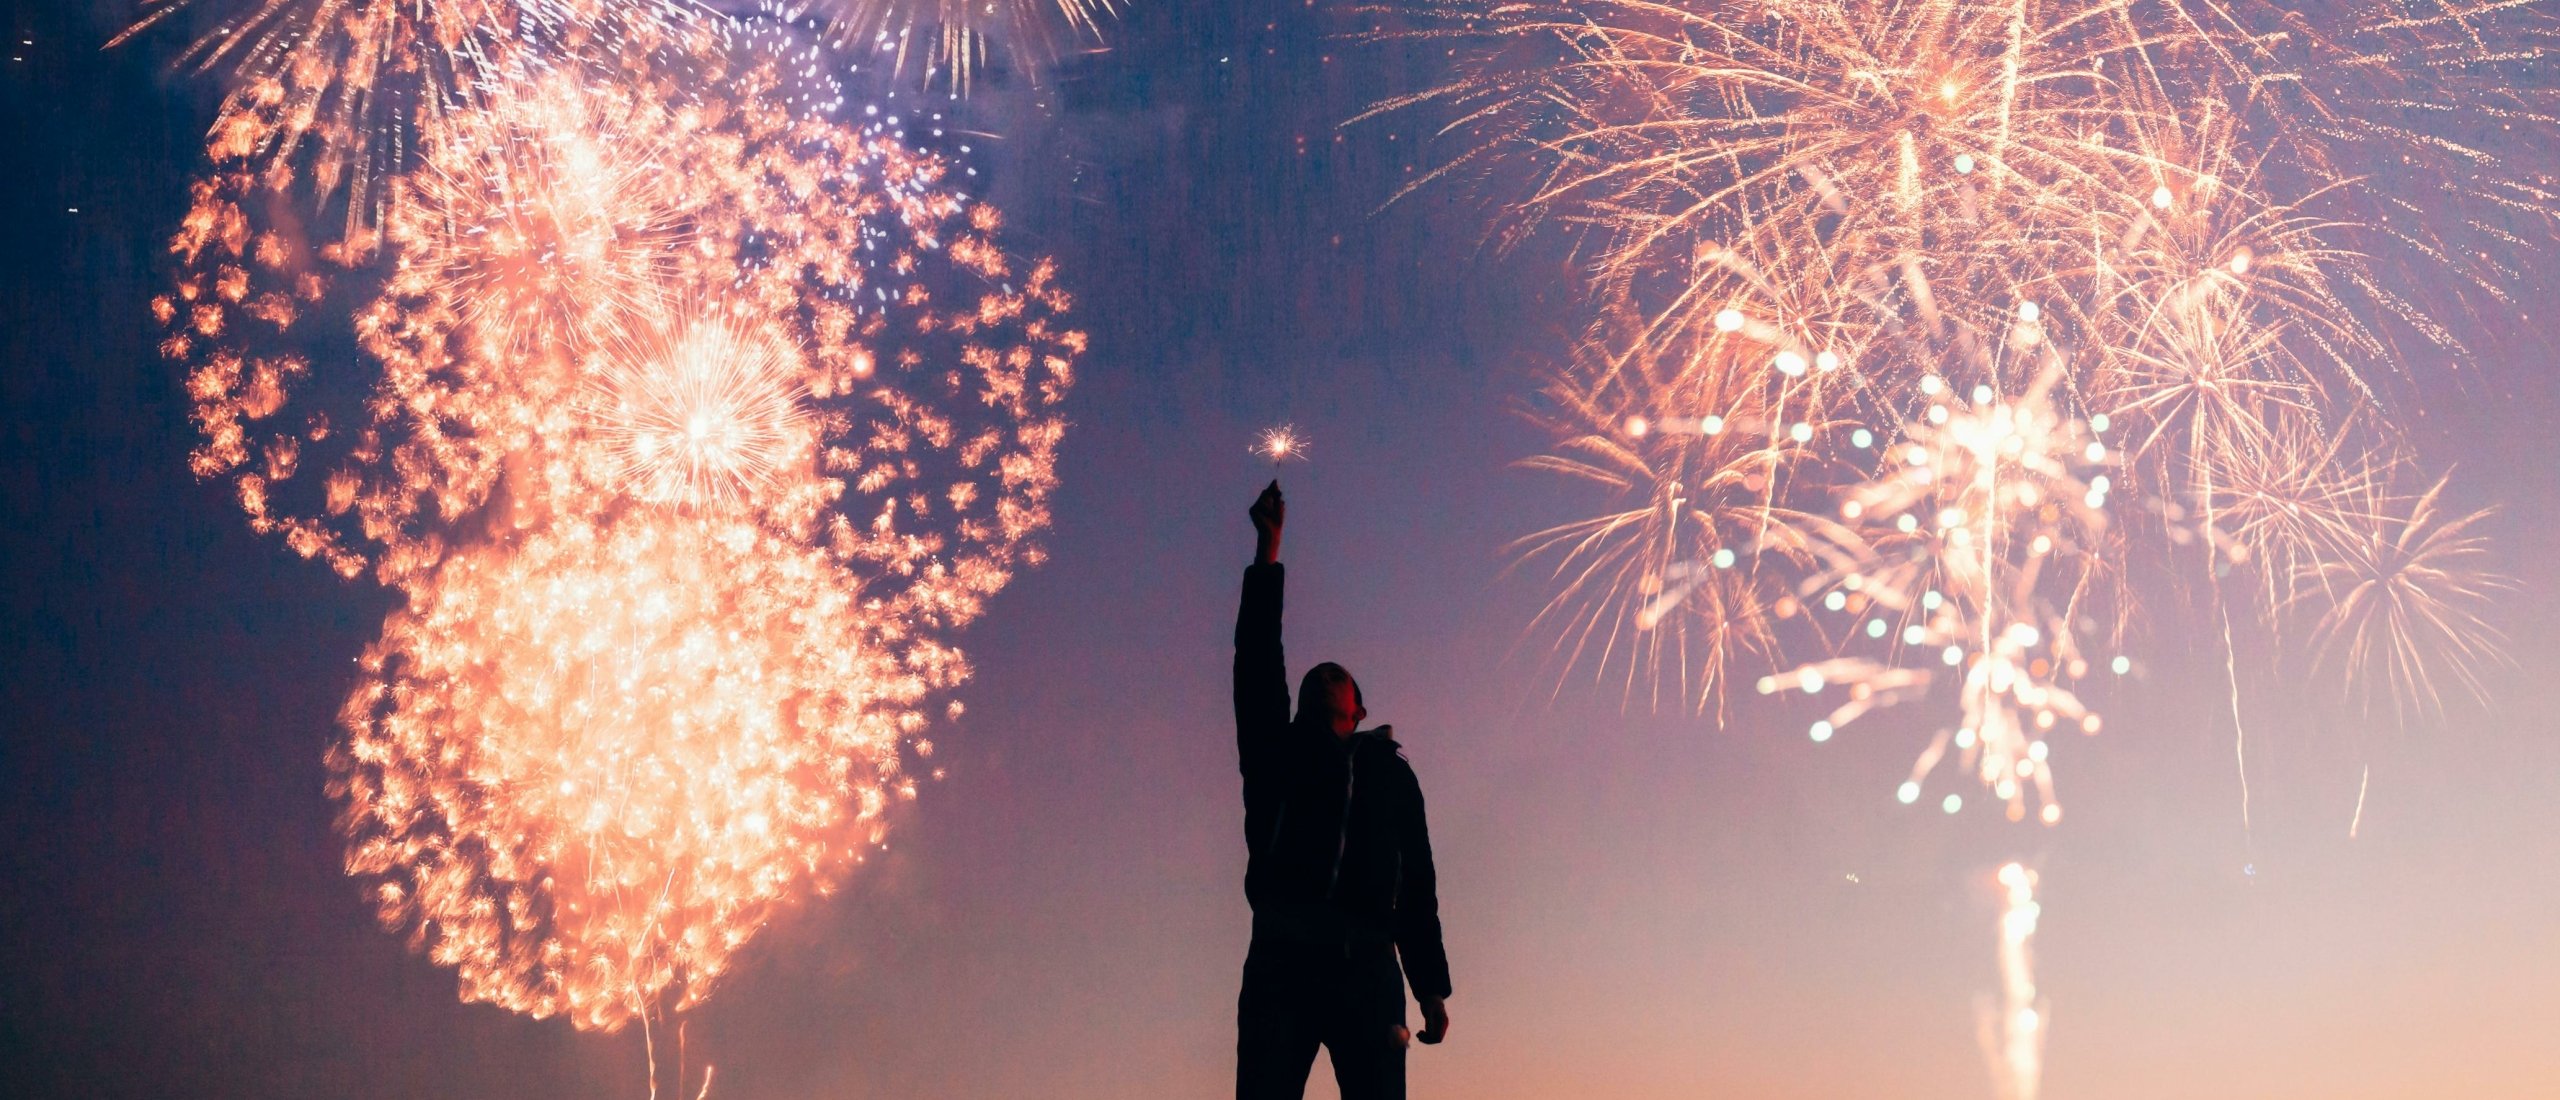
[
  {"x": 1262, "y": 678},
  {"x": 1426, "y": 962}
]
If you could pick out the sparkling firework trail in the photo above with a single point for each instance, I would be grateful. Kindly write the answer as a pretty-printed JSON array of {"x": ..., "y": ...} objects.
[
  {"x": 699, "y": 422},
  {"x": 2012, "y": 1033}
]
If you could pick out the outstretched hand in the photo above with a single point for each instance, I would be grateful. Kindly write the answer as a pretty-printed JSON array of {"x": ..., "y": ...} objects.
[
  {"x": 1435, "y": 1020},
  {"x": 1269, "y": 511}
]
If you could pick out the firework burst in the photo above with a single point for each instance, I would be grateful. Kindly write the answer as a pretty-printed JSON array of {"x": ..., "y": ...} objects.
[
  {"x": 695, "y": 424},
  {"x": 585, "y": 766},
  {"x": 1984, "y": 146},
  {"x": 1934, "y": 221},
  {"x": 2406, "y": 596},
  {"x": 705, "y": 415},
  {"x": 836, "y": 249},
  {"x": 1679, "y": 583}
]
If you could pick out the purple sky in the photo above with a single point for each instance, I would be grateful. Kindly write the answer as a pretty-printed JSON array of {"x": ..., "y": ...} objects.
[{"x": 1638, "y": 904}]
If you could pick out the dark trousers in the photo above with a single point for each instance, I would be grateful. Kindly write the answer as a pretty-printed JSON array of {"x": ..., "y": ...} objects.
[{"x": 1298, "y": 996}]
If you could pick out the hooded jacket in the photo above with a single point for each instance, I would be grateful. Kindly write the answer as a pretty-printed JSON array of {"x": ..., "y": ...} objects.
[{"x": 1337, "y": 849}]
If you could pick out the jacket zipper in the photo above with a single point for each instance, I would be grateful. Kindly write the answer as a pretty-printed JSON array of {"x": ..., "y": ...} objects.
[{"x": 1342, "y": 836}]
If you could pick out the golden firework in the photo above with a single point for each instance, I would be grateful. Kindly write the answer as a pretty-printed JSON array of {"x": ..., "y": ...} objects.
[
  {"x": 693, "y": 427},
  {"x": 2403, "y": 602},
  {"x": 1987, "y": 542},
  {"x": 2049, "y": 223},
  {"x": 1681, "y": 578},
  {"x": 706, "y": 414},
  {"x": 584, "y": 766}
]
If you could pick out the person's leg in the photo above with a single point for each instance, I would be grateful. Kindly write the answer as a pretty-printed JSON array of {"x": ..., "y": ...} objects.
[
  {"x": 1365, "y": 1030},
  {"x": 1276, "y": 1026}
]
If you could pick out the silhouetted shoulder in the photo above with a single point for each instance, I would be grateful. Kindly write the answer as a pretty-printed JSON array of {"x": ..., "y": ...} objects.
[{"x": 1388, "y": 752}]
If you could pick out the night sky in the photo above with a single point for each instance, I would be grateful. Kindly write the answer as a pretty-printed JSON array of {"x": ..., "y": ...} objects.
[{"x": 1638, "y": 904}]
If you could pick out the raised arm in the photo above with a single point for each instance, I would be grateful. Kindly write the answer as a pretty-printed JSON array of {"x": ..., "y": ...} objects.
[{"x": 1262, "y": 679}]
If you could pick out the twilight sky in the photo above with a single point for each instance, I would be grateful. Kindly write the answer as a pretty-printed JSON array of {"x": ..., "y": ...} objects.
[{"x": 1638, "y": 904}]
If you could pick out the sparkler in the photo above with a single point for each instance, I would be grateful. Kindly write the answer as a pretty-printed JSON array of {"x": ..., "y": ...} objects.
[{"x": 1281, "y": 444}]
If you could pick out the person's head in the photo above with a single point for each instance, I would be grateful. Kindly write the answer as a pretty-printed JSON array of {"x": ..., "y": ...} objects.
[{"x": 1330, "y": 698}]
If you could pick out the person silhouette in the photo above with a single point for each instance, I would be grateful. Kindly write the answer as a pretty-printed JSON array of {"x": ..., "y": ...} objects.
[{"x": 1337, "y": 867}]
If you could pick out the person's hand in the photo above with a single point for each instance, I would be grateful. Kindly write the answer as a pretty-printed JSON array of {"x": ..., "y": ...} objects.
[
  {"x": 1269, "y": 511},
  {"x": 1435, "y": 1020}
]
